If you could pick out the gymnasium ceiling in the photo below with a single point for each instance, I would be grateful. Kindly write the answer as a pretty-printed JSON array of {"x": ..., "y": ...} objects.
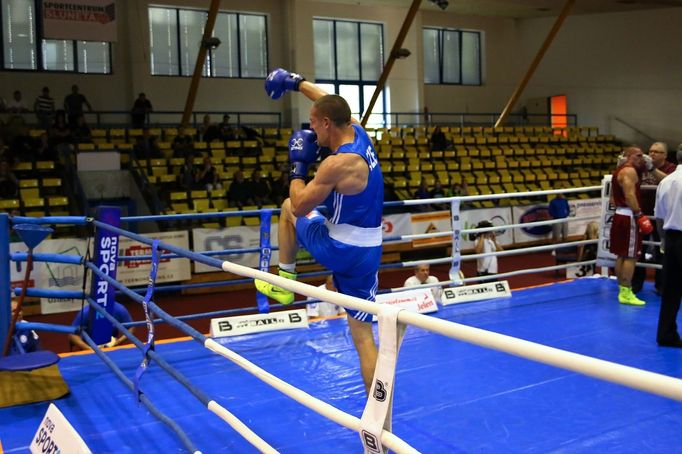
[{"x": 527, "y": 8}]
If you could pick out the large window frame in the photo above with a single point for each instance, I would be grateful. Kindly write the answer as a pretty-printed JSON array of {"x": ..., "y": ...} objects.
[
  {"x": 71, "y": 50},
  {"x": 214, "y": 66},
  {"x": 442, "y": 67},
  {"x": 356, "y": 90}
]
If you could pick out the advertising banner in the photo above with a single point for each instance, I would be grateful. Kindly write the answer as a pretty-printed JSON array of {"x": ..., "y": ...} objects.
[
  {"x": 532, "y": 213},
  {"x": 136, "y": 273},
  {"x": 497, "y": 216},
  {"x": 418, "y": 300},
  {"x": 476, "y": 292},
  {"x": 394, "y": 225},
  {"x": 83, "y": 20},
  {"x": 604, "y": 256},
  {"x": 258, "y": 323},
  {"x": 58, "y": 276},
  {"x": 245, "y": 237},
  {"x": 434, "y": 222}
]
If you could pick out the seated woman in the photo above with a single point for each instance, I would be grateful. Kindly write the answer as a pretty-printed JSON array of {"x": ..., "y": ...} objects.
[{"x": 589, "y": 251}]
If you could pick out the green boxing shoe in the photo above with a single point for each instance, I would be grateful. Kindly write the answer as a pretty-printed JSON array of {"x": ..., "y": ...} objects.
[{"x": 278, "y": 294}]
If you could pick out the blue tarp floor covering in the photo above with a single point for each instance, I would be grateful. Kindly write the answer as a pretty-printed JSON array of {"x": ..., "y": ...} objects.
[{"x": 450, "y": 396}]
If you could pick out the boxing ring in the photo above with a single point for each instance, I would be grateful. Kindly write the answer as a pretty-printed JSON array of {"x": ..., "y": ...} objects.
[{"x": 301, "y": 391}]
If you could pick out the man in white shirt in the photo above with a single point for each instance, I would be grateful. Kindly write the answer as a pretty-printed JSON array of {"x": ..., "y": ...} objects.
[
  {"x": 422, "y": 275},
  {"x": 323, "y": 309},
  {"x": 668, "y": 212}
]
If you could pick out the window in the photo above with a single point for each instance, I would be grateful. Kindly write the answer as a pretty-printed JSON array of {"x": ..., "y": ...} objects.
[
  {"x": 452, "y": 57},
  {"x": 20, "y": 49},
  {"x": 349, "y": 58},
  {"x": 175, "y": 36}
]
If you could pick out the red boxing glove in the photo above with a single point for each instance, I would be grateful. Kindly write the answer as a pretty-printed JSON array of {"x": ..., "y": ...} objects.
[{"x": 644, "y": 224}]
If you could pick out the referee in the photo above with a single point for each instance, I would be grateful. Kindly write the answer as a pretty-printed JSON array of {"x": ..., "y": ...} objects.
[{"x": 668, "y": 212}]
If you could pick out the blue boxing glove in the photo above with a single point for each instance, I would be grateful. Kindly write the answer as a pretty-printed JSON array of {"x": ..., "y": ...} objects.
[
  {"x": 303, "y": 151},
  {"x": 281, "y": 81}
]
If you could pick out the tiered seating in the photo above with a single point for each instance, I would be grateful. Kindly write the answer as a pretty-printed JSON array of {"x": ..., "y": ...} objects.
[
  {"x": 40, "y": 191},
  {"x": 508, "y": 159}
]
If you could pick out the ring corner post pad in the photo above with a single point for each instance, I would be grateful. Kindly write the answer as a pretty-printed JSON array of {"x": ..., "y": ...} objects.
[
  {"x": 377, "y": 413},
  {"x": 264, "y": 258},
  {"x": 105, "y": 259}
]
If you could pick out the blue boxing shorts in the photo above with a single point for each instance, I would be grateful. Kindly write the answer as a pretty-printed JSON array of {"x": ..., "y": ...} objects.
[{"x": 355, "y": 268}]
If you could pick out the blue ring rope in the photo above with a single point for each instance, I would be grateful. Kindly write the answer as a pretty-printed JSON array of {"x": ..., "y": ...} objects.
[
  {"x": 144, "y": 399},
  {"x": 196, "y": 335}
]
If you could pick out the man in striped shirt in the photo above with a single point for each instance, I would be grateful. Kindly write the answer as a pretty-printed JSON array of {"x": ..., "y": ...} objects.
[{"x": 44, "y": 109}]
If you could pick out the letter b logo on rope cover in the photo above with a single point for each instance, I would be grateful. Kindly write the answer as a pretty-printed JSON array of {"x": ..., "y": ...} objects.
[
  {"x": 380, "y": 391},
  {"x": 370, "y": 441}
]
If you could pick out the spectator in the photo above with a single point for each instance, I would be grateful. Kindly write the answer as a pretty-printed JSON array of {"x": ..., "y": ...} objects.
[
  {"x": 207, "y": 177},
  {"x": 438, "y": 140},
  {"x": 44, "y": 108},
  {"x": 486, "y": 242},
  {"x": 60, "y": 133},
  {"x": 438, "y": 192},
  {"x": 422, "y": 276},
  {"x": 183, "y": 145},
  {"x": 227, "y": 132},
  {"x": 146, "y": 147},
  {"x": 23, "y": 340},
  {"x": 188, "y": 174},
  {"x": 73, "y": 105},
  {"x": 82, "y": 321},
  {"x": 323, "y": 309},
  {"x": 238, "y": 194},
  {"x": 141, "y": 108},
  {"x": 259, "y": 189},
  {"x": 559, "y": 209},
  {"x": 423, "y": 193},
  {"x": 82, "y": 132},
  {"x": 280, "y": 188},
  {"x": 17, "y": 106},
  {"x": 9, "y": 184},
  {"x": 209, "y": 131}
]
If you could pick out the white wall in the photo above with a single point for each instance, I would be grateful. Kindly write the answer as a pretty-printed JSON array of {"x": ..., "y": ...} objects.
[{"x": 624, "y": 65}]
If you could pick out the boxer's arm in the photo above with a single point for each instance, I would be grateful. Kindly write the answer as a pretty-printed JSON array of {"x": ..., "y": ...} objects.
[{"x": 304, "y": 198}]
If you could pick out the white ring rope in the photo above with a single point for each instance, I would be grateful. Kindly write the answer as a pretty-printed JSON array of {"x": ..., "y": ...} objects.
[
  {"x": 632, "y": 377},
  {"x": 329, "y": 411},
  {"x": 506, "y": 195}
]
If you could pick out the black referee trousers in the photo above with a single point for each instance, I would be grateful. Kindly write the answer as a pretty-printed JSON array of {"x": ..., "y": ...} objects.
[{"x": 672, "y": 288}]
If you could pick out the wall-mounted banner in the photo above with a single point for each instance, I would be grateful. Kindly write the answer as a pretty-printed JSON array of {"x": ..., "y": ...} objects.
[
  {"x": 245, "y": 237},
  {"x": 60, "y": 276},
  {"x": 394, "y": 225},
  {"x": 132, "y": 273},
  {"x": 496, "y": 216},
  {"x": 83, "y": 20},
  {"x": 437, "y": 221}
]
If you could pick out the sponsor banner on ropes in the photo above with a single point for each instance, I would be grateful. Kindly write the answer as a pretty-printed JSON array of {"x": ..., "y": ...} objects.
[
  {"x": 258, "y": 323},
  {"x": 476, "y": 292},
  {"x": 418, "y": 300}
]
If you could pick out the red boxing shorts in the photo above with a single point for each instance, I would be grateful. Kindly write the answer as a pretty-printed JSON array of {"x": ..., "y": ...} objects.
[{"x": 625, "y": 240}]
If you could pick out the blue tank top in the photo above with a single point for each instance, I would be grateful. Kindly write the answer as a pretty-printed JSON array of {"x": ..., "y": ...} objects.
[{"x": 365, "y": 208}]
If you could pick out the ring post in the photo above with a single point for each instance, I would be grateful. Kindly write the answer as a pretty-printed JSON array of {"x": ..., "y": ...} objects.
[
  {"x": 456, "y": 234},
  {"x": 265, "y": 253},
  {"x": 5, "y": 285},
  {"x": 105, "y": 259}
]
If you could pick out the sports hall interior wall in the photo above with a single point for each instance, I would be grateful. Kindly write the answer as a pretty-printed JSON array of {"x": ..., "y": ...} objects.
[{"x": 612, "y": 64}]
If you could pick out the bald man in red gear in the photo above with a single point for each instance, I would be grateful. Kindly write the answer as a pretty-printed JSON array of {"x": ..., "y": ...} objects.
[{"x": 629, "y": 224}]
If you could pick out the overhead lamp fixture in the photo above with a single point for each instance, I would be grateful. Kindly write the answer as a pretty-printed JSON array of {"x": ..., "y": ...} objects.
[{"x": 442, "y": 4}]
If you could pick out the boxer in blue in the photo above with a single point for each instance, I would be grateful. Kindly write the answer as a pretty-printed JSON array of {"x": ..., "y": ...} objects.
[{"x": 350, "y": 184}]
